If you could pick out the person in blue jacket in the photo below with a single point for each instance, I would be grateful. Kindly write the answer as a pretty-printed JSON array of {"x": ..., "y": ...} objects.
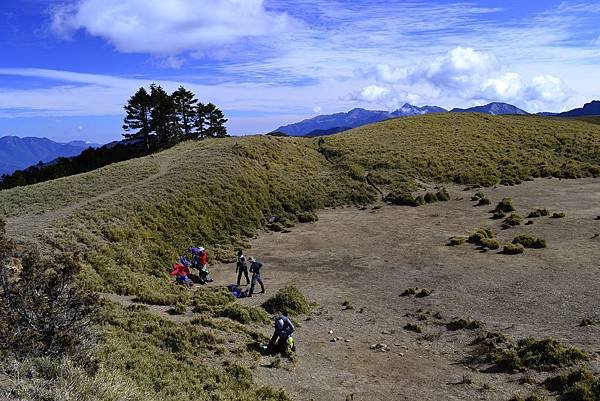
[
  {"x": 283, "y": 332},
  {"x": 255, "y": 267}
]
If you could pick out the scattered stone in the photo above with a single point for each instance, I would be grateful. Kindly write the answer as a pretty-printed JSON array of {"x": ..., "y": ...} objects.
[
  {"x": 330, "y": 331},
  {"x": 379, "y": 347},
  {"x": 386, "y": 332}
]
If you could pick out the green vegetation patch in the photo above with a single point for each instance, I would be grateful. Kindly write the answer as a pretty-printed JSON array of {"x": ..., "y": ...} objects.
[
  {"x": 505, "y": 206},
  {"x": 288, "y": 301},
  {"x": 462, "y": 324},
  {"x": 512, "y": 221},
  {"x": 513, "y": 249},
  {"x": 542, "y": 355},
  {"x": 577, "y": 385},
  {"x": 529, "y": 241},
  {"x": 538, "y": 213}
]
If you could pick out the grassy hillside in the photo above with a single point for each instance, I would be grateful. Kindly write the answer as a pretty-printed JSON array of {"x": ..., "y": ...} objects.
[
  {"x": 469, "y": 149},
  {"x": 130, "y": 221}
]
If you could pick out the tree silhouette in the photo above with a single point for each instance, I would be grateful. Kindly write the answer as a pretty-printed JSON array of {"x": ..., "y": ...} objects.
[{"x": 138, "y": 114}]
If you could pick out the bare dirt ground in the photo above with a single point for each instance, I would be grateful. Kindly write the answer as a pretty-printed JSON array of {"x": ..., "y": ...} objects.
[{"x": 369, "y": 257}]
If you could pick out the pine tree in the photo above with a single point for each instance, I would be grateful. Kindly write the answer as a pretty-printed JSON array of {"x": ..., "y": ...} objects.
[
  {"x": 163, "y": 117},
  {"x": 185, "y": 103},
  {"x": 138, "y": 109},
  {"x": 216, "y": 122},
  {"x": 201, "y": 121}
]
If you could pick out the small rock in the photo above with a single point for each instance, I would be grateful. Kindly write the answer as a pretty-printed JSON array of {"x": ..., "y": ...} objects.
[
  {"x": 330, "y": 331},
  {"x": 401, "y": 353},
  {"x": 333, "y": 340},
  {"x": 385, "y": 332},
  {"x": 346, "y": 340}
]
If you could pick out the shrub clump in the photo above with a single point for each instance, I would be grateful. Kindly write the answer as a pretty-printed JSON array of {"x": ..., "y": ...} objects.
[
  {"x": 498, "y": 215},
  {"x": 542, "y": 355},
  {"x": 481, "y": 234},
  {"x": 307, "y": 217},
  {"x": 243, "y": 314},
  {"x": 513, "y": 249},
  {"x": 512, "y": 221},
  {"x": 558, "y": 215},
  {"x": 409, "y": 291},
  {"x": 430, "y": 197},
  {"x": 478, "y": 195},
  {"x": 404, "y": 199},
  {"x": 443, "y": 195},
  {"x": 424, "y": 293},
  {"x": 484, "y": 202},
  {"x": 413, "y": 327},
  {"x": 490, "y": 243},
  {"x": 577, "y": 385},
  {"x": 529, "y": 241},
  {"x": 538, "y": 213},
  {"x": 462, "y": 324},
  {"x": 288, "y": 301},
  {"x": 454, "y": 241},
  {"x": 505, "y": 205}
]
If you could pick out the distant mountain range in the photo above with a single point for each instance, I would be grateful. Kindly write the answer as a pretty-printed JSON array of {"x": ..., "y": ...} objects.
[
  {"x": 492, "y": 108},
  {"x": 333, "y": 123},
  {"x": 19, "y": 153},
  {"x": 338, "y": 122},
  {"x": 589, "y": 109}
]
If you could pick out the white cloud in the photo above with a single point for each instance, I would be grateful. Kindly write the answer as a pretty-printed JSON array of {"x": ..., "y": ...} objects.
[
  {"x": 504, "y": 87},
  {"x": 168, "y": 27},
  {"x": 373, "y": 93},
  {"x": 459, "y": 69}
]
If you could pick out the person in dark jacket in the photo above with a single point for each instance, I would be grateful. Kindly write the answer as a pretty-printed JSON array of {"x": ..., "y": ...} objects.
[
  {"x": 255, "y": 267},
  {"x": 283, "y": 331},
  {"x": 241, "y": 267}
]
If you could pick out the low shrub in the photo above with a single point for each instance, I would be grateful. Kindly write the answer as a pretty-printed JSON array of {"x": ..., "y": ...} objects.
[
  {"x": 478, "y": 236},
  {"x": 529, "y": 241},
  {"x": 430, "y": 198},
  {"x": 498, "y": 215},
  {"x": 212, "y": 297},
  {"x": 409, "y": 291},
  {"x": 288, "y": 301},
  {"x": 243, "y": 314},
  {"x": 178, "y": 309},
  {"x": 558, "y": 215},
  {"x": 402, "y": 199},
  {"x": 538, "y": 213},
  {"x": 307, "y": 217},
  {"x": 512, "y": 221},
  {"x": 490, "y": 243},
  {"x": 443, "y": 195},
  {"x": 577, "y": 385},
  {"x": 424, "y": 293},
  {"x": 505, "y": 205},
  {"x": 413, "y": 327},
  {"x": 478, "y": 195},
  {"x": 454, "y": 241},
  {"x": 513, "y": 249},
  {"x": 462, "y": 324},
  {"x": 587, "y": 322},
  {"x": 542, "y": 355},
  {"x": 484, "y": 202}
]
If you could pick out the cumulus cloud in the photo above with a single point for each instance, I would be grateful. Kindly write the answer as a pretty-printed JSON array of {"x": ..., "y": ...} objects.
[
  {"x": 168, "y": 27},
  {"x": 460, "y": 69},
  {"x": 467, "y": 76}
]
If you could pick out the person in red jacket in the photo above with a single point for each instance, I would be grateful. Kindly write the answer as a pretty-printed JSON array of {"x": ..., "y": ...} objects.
[
  {"x": 200, "y": 262},
  {"x": 181, "y": 271}
]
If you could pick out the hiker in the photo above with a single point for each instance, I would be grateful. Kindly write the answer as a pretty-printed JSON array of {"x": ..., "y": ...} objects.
[
  {"x": 181, "y": 271},
  {"x": 255, "y": 267},
  {"x": 282, "y": 337},
  {"x": 241, "y": 267},
  {"x": 200, "y": 262}
]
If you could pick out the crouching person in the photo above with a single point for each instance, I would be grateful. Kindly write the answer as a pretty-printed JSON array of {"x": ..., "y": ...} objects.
[
  {"x": 282, "y": 337},
  {"x": 181, "y": 271}
]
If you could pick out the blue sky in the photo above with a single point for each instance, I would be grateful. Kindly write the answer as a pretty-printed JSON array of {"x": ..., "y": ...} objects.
[{"x": 68, "y": 66}]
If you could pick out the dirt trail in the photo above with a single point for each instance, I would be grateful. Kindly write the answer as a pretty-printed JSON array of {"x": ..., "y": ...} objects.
[{"x": 37, "y": 223}]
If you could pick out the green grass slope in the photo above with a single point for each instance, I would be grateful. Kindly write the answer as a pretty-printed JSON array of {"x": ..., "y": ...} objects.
[{"x": 130, "y": 220}]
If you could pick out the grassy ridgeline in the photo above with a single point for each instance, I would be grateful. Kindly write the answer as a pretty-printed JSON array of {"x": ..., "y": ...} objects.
[{"x": 469, "y": 148}]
